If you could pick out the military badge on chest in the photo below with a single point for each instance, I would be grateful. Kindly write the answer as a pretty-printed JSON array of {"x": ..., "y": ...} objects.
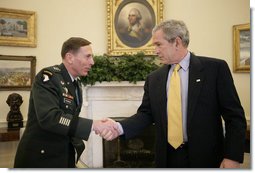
[{"x": 68, "y": 99}]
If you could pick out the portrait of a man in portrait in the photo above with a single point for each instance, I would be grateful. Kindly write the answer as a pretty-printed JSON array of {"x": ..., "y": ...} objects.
[{"x": 134, "y": 22}]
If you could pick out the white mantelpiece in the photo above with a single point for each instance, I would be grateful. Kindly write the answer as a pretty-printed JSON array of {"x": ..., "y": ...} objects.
[{"x": 107, "y": 99}]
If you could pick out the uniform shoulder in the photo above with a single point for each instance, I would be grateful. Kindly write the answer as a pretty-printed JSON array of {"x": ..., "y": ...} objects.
[
  {"x": 49, "y": 72},
  {"x": 52, "y": 69}
]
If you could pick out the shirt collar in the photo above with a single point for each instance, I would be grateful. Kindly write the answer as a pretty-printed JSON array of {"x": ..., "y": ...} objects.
[
  {"x": 71, "y": 77},
  {"x": 185, "y": 62}
]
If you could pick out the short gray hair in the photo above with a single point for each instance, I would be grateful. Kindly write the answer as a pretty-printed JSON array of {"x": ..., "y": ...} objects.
[{"x": 173, "y": 29}]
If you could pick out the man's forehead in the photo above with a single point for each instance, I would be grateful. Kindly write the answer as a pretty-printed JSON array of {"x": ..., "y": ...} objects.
[
  {"x": 85, "y": 50},
  {"x": 133, "y": 13}
]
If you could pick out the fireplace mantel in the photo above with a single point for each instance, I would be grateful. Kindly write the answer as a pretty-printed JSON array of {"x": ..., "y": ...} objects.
[{"x": 107, "y": 99}]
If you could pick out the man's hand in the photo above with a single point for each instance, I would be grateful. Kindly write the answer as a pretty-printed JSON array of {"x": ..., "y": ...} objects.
[
  {"x": 106, "y": 128},
  {"x": 227, "y": 163}
]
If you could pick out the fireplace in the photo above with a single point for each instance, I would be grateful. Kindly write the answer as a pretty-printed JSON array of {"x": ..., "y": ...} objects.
[
  {"x": 107, "y": 99},
  {"x": 137, "y": 152}
]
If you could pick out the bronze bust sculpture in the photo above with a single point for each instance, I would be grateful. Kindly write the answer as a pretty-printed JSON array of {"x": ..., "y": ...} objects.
[{"x": 14, "y": 117}]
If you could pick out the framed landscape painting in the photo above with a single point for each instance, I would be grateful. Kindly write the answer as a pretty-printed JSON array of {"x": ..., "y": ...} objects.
[
  {"x": 17, "y": 72},
  {"x": 17, "y": 28},
  {"x": 242, "y": 47}
]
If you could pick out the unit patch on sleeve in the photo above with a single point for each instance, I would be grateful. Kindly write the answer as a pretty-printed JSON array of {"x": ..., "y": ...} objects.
[{"x": 46, "y": 75}]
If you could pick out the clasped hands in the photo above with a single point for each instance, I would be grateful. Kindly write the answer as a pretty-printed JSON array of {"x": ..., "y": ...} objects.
[{"x": 106, "y": 128}]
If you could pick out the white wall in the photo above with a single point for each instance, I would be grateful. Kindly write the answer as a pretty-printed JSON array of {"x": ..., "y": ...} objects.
[{"x": 210, "y": 23}]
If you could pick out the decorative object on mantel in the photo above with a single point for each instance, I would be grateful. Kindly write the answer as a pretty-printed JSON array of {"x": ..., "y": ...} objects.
[
  {"x": 14, "y": 117},
  {"x": 130, "y": 68}
]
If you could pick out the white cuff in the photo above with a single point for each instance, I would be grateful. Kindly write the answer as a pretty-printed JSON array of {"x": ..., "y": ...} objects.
[{"x": 121, "y": 132}]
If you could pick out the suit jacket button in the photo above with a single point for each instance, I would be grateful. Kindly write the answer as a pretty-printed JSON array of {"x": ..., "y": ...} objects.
[
  {"x": 42, "y": 151},
  {"x": 66, "y": 106}
]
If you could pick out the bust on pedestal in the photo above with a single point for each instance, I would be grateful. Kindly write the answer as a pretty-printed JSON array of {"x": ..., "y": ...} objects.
[{"x": 14, "y": 117}]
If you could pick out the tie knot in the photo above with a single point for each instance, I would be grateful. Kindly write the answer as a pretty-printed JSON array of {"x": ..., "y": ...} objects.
[
  {"x": 177, "y": 67},
  {"x": 75, "y": 83}
]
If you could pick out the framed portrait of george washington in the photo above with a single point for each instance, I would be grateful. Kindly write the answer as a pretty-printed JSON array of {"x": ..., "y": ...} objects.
[{"x": 129, "y": 25}]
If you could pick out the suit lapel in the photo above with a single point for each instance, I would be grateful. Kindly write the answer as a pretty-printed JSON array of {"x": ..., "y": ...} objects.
[{"x": 196, "y": 80}]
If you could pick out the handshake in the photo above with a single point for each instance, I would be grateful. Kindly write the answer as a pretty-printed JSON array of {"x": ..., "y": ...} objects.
[{"x": 107, "y": 128}]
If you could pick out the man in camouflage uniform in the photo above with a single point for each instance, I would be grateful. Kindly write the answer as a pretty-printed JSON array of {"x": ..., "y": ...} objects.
[{"x": 54, "y": 131}]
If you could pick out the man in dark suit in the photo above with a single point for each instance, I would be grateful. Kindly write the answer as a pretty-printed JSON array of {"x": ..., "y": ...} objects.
[
  {"x": 54, "y": 130},
  {"x": 208, "y": 95}
]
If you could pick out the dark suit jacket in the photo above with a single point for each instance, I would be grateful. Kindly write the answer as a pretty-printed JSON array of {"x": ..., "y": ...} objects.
[
  {"x": 211, "y": 96},
  {"x": 53, "y": 127}
]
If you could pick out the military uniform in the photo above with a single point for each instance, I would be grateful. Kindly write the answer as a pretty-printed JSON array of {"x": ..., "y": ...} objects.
[{"x": 54, "y": 130}]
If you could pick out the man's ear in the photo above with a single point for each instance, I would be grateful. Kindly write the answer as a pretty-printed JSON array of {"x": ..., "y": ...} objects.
[
  {"x": 178, "y": 41},
  {"x": 69, "y": 58}
]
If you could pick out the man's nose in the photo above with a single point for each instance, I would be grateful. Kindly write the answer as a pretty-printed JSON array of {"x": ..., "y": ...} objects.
[{"x": 92, "y": 61}]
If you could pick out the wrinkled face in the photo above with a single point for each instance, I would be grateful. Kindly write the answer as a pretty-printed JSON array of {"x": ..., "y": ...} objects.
[
  {"x": 132, "y": 18},
  {"x": 164, "y": 49},
  {"x": 81, "y": 61}
]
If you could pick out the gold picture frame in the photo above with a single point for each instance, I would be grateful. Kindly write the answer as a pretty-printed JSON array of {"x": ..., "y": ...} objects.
[
  {"x": 17, "y": 72},
  {"x": 121, "y": 39},
  {"x": 241, "y": 47},
  {"x": 17, "y": 28}
]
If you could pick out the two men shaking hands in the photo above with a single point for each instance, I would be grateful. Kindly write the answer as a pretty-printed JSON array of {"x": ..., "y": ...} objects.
[{"x": 107, "y": 128}]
